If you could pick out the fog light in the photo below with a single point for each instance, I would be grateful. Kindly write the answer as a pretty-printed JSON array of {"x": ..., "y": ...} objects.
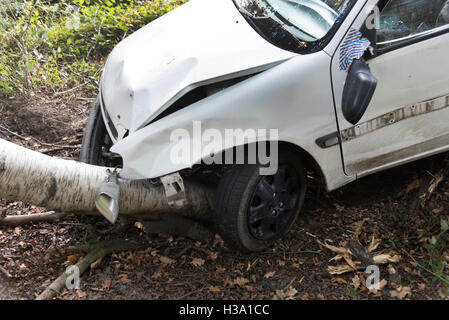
[{"x": 107, "y": 201}]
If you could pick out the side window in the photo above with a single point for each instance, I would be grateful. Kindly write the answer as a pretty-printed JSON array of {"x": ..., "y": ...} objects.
[{"x": 404, "y": 18}]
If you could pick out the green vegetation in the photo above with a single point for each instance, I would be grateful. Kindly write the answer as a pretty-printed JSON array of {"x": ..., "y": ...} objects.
[
  {"x": 437, "y": 247},
  {"x": 51, "y": 46}
]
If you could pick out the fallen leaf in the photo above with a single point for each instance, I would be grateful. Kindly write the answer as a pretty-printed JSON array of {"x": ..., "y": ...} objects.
[
  {"x": 241, "y": 281},
  {"x": 139, "y": 225},
  {"x": 123, "y": 278},
  {"x": 415, "y": 184},
  {"x": 213, "y": 256},
  {"x": 227, "y": 282},
  {"x": 358, "y": 228},
  {"x": 386, "y": 258},
  {"x": 269, "y": 274},
  {"x": 374, "y": 289},
  {"x": 95, "y": 264},
  {"x": 338, "y": 280},
  {"x": 106, "y": 285},
  {"x": 401, "y": 292},
  {"x": 166, "y": 260},
  {"x": 214, "y": 289},
  {"x": 73, "y": 259},
  {"x": 438, "y": 210},
  {"x": 356, "y": 282},
  {"x": 197, "y": 262},
  {"x": 220, "y": 269},
  {"x": 80, "y": 293},
  {"x": 287, "y": 294},
  {"x": 443, "y": 293}
]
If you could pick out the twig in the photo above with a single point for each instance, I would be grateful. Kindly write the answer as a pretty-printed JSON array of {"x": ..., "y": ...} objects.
[
  {"x": 70, "y": 90},
  {"x": 50, "y": 216},
  {"x": 425, "y": 269},
  {"x": 13, "y": 133},
  {"x": 99, "y": 251},
  {"x": 183, "y": 251},
  {"x": 38, "y": 141},
  {"x": 47, "y": 151}
]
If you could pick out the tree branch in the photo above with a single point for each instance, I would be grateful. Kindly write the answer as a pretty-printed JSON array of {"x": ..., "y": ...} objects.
[
  {"x": 98, "y": 251},
  {"x": 50, "y": 216}
]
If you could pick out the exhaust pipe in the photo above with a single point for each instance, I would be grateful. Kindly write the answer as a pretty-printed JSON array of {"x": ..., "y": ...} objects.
[{"x": 107, "y": 201}]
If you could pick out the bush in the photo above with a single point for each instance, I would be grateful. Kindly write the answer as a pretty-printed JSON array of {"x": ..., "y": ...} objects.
[{"x": 54, "y": 45}]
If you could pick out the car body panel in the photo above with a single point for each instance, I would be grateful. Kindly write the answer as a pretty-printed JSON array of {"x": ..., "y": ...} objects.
[
  {"x": 285, "y": 97},
  {"x": 300, "y": 95},
  {"x": 407, "y": 117},
  {"x": 201, "y": 42}
]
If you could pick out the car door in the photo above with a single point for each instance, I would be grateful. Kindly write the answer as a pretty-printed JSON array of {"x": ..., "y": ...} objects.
[{"x": 408, "y": 116}]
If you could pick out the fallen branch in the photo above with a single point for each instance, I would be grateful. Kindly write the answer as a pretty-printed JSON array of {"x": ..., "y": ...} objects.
[
  {"x": 50, "y": 216},
  {"x": 98, "y": 251},
  {"x": 367, "y": 256},
  {"x": 428, "y": 187}
]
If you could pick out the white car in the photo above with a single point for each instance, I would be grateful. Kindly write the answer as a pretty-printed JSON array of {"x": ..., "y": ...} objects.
[{"x": 351, "y": 88}]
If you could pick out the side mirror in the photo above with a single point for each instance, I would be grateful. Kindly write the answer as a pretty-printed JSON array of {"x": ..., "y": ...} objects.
[{"x": 358, "y": 91}]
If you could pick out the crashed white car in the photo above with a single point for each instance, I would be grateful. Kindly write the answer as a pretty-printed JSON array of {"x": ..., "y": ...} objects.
[{"x": 350, "y": 88}]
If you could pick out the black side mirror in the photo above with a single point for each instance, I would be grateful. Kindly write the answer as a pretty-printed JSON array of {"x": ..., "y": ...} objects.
[{"x": 358, "y": 91}]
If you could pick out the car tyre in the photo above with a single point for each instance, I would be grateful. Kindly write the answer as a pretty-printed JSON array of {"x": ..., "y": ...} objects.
[
  {"x": 247, "y": 216},
  {"x": 94, "y": 139}
]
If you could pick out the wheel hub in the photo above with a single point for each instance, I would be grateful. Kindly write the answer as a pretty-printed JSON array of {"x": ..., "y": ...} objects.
[{"x": 273, "y": 205}]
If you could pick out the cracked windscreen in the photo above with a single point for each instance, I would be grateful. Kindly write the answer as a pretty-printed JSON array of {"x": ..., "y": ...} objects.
[{"x": 305, "y": 20}]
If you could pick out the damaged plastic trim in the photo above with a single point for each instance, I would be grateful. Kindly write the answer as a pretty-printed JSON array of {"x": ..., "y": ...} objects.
[
  {"x": 174, "y": 190},
  {"x": 394, "y": 117}
]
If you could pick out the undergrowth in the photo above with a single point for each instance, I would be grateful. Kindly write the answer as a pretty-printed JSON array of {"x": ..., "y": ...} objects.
[{"x": 52, "y": 46}]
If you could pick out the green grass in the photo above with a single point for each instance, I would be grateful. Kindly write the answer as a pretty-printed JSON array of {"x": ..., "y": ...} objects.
[{"x": 50, "y": 46}]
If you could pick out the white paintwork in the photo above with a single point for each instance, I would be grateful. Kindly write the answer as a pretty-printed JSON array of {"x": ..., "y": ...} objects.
[
  {"x": 406, "y": 76},
  {"x": 285, "y": 97},
  {"x": 202, "y": 41},
  {"x": 192, "y": 46}
]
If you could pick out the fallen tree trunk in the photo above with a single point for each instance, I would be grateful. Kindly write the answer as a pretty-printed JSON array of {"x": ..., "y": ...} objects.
[{"x": 69, "y": 186}]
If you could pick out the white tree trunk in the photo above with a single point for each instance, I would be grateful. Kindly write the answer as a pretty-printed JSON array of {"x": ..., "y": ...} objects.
[{"x": 69, "y": 186}]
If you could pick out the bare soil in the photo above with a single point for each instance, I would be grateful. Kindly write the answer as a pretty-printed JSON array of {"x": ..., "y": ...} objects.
[{"x": 389, "y": 203}]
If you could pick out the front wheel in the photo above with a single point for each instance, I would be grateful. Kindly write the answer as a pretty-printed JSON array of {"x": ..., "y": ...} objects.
[
  {"x": 254, "y": 211},
  {"x": 96, "y": 141}
]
